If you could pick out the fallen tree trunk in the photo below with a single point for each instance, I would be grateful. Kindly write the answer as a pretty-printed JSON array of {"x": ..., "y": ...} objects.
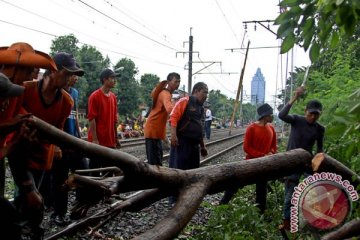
[
  {"x": 348, "y": 230},
  {"x": 191, "y": 185}
]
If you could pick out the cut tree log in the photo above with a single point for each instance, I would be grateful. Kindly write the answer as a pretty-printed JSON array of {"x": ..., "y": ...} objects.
[{"x": 190, "y": 185}]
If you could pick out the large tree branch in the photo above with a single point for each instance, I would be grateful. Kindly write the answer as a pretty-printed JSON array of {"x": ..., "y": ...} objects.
[
  {"x": 192, "y": 185},
  {"x": 187, "y": 203},
  {"x": 348, "y": 230}
]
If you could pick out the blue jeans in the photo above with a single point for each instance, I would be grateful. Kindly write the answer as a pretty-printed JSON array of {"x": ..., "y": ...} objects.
[
  {"x": 207, "y": 129},
  {"x": 290, "y": 183}
]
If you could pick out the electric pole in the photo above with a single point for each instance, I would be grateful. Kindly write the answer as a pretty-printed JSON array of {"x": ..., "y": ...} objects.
[
  {"x": 190, "y": 62},
  {"x": 190, "y": 52},
  {"x": 240, "y": 87}
]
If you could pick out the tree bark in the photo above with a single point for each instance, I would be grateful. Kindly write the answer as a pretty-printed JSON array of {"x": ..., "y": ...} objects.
[{"x": 348, "y": 230}]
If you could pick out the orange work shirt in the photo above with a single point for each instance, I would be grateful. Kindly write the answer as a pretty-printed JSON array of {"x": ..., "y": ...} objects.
[{"x": 155, "y": 126}]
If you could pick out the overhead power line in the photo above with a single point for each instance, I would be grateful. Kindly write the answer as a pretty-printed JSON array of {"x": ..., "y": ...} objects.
[
  {"x": 31, "y": 29},
  {"x": 137, "y": 20},
  {"x": 234, "y": 49},
  {"x": 227, "y": 21},
  {"x": 127, "y": 27}
]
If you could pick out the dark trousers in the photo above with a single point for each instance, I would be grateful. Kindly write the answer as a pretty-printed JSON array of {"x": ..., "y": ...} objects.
[
  {"x": 172, "y": 157},
  {"x": 31, "y": 217},
  {"x": 9, "y": 219},
  {"x": 207, "y": 128},
  {"x": 71, "y": 160},
  {"x": 261, "y": 192},
  {"x": 172, "y": 164},
  {"x": 187, "y": 154},
  {"x": 154, "y": 151},
  {"x": 290, "y": 183}
]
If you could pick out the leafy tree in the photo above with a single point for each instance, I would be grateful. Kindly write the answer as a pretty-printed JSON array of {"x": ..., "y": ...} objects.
[
  {"x": 318, "y": 25},
  {"x": 66, "y": 43},
  {"x": 248, "y": 113},
  {"x": 148, "y": 81},
  {"x": 221, "y": 106},
  {"x": 89, "y": 59},
  {"x": 93, "y": 62},
  {"x": 127, "y": 89},
  {"x": 331, "y": 30}
]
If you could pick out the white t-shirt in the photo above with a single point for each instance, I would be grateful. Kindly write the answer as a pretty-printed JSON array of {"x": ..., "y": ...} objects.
[{"x": 208, "y": 116}]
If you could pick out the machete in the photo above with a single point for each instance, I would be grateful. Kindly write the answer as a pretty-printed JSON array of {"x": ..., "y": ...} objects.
[{"x": 305, "y": 76}]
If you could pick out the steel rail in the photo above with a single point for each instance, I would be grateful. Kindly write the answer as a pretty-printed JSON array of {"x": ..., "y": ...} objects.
[
  {"x": 208, "y": 159},
  {"x": 137, "y": 141},
  {"x": 166, "y": 156}
]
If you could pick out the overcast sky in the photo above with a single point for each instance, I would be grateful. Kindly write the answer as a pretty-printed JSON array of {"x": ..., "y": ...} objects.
[{"x": 154, "y": 33}]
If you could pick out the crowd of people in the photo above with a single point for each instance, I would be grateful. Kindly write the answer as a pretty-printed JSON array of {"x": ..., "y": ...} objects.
[{"x": 40, "y": 168}]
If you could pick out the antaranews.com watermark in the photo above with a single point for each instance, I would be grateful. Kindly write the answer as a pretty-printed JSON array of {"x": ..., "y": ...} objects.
[{"x": 322, "y": 200}]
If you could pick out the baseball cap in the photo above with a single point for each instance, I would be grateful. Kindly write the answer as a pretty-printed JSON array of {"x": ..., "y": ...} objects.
[
  {"x": 66, "y": 61},
  {"x": 314, "y": 106},
  {"x": 264, "y": 110},
  {"x": 9, "y": 89},
  {"x": 107, "y": 72}
]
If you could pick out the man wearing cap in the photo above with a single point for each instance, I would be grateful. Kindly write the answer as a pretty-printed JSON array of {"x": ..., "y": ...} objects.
[
  {"x": 71, "y": 159},
  {"x": 305, "y": 132},
  {"x": 51, "y": 103},
  {"x": 259, "y": 141},
  {"x": 155, "y": 126},
  {"x": 103, "y": 115}
]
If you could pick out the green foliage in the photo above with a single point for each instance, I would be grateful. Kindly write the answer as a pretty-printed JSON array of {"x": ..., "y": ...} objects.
[
  {"x": 332, "y": 79},
  {"x": 248, "y": 113},
  {"x": 148, "y": 82},
  {"x": 127, "y": 89},
  {"x": 221, "y": 106},
  {"x": 92, "y": 61},
  {"x": 66, "y": 43},
  {"x": 344, "y": 132},
  {"x": 317, "y": 24},
  {"x": 330, "y": 28},
  {"x": 241, "y": 218}
]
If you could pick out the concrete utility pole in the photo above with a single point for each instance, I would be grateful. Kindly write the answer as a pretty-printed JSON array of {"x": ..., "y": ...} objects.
[
  {"x": 239, "y": 89},
  {"x": 190, "y": 62},
  {"x": 190, "y": 52}
]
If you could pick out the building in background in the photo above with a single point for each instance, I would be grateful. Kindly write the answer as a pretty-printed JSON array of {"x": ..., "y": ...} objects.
[{"x": 258, "y": 88}]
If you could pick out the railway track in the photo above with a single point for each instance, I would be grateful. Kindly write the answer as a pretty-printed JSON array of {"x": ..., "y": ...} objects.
[
  {"x": 125, "y": 143},
  {"x": 99, "y": 221}
]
